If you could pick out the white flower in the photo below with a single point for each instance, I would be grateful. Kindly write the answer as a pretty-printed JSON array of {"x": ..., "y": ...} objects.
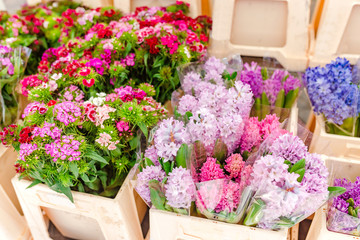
[
  {"x": 102, "y": 94},
  {"x": 46, "y": 24},
  {"x": 56, "y": 76}
]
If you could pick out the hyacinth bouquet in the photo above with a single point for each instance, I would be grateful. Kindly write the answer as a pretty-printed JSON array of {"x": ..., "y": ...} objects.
[
  {"x": 273, "y": 94},
  {"x": 163, "y": 179},
  {"x": 12, "y": 66},
  {"x": 334, "y": 94},
  {"x": 343, "y": 215},
  {"x": 88, "y": 146},
  {"x": 146, "y": 46},
  {"x": 288, "y": 182}
]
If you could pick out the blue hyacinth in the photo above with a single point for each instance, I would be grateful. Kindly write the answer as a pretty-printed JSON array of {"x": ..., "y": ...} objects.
[{"x": 332, "y": 91}]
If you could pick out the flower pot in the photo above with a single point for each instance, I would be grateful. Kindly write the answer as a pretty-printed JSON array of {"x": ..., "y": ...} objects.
[
  {"x": 195, "y": 228},
  {"x": 332, "y": 144},
  {"x": 269, "y": 28},
  {"x": 89, "y": 217},
  {"x": 341, "y": 168}
]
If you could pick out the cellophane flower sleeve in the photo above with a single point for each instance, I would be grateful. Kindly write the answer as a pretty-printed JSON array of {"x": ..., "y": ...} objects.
[
  {"x": 163, "y": 179},
  {"x": 220, "y": 181},
  {"x": 343, "y": 211},
  {"x": 288, "y": 183},
  {"x": 12, "y": 66},
  {"x": 334, "y": 95},
  {"x": 338, "y": 221}
]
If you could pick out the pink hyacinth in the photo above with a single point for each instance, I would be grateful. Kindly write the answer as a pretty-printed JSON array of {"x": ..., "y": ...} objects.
[
  {"x": 211, "y": 170},
  {"x": 234, "y": 165},
  {"x": 252, "y": 136}
]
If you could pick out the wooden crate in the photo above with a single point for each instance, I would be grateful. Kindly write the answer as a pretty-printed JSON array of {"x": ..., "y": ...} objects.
[
  {"x": 167, "y": 225},
  {"x": 128, "y": 6},
  {"x": 12, "y": 224},
  {"x": 340, "y": 168},
  {"x": 89, "y": 217},
  {"x": 89, "y": 3},
  {"x": 337, "y": 32},
  {"x": 270, "y": 28},
  {"x": 332, "y": 144},
  {"x": 8, "y": 157}
]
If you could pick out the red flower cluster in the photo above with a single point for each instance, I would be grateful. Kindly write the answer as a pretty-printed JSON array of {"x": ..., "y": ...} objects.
[
  {"x": 25, "y": 135},
  {"x": 18, "y": 168},
  {"x": 8, "y": 134},
  {"x": 152, "y": 42},
  {"x": 72, "y": 68}
]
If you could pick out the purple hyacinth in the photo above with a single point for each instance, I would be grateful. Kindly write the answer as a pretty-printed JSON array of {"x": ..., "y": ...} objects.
[{"x": 331, "y": 90}]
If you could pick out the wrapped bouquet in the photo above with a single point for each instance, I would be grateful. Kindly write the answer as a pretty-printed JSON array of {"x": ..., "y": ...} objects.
[
  {"x": 343, "y": 215},
  {"x": 334, "y": 94},
  {"x": 288, "y": 183},
  {"x": 89, "y": 146},
  {"x": 12, "y": 66}
]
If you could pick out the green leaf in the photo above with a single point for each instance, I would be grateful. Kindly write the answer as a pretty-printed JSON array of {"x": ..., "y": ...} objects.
[
  {"x": 264, "y": 73},
  {"x": 34, "y": 182},
  {"x": 143, "y": 128},
  {"x": 148, "y": 162},
  {"x": 74, "y": 169},
  {"x": 264, "y": 99},
  {"x": 94, "y": 156},
  {"x": 291, "y": 97},
  {"x": 298, "y": 165},
  {"x": 85, "y": 177},
  {"x": 280, "y": 99},
  {"x": 255, "y": 213},
  {"x": 134, "y": 142},
  {"x": 157, "y": 196},
  {"x": 287, "y": 162},
  {"x": 188, "y": 115},
  {"x": 335, "y": 191},
  {"x": 182, "y": 155},
  {"x": 62, "y": 189},
  {"x": 301, "y": 172},
  {"x": 167, "y": 167},
  {"x": 81, "y": 187}
]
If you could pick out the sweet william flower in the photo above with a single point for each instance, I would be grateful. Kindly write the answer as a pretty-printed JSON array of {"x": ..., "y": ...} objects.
[
  {"x": 88, "y": 83},
  {"x": 84, "y": 72}
]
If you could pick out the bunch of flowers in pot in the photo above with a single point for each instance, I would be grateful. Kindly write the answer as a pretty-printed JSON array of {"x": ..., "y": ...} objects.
[
  {"x": 12, "y": 66},
  {"x": 146, "y": 46},
  {"x": 334, "y": 94},
  {"x": 88, "y": 146}
]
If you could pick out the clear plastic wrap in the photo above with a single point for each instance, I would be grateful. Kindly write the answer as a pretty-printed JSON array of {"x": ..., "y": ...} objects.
[
  {"x": 341, "y": 222},
  {"x": 288, "y": 183},
  {"x": 12, "y": 66},
  {"x": 162, "y": 178}
]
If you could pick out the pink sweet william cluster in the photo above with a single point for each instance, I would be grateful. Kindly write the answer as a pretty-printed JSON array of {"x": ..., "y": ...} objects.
[{"x": 79, "y": 141}]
